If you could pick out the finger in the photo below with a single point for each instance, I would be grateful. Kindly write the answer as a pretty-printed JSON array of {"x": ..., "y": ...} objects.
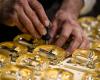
[
  {"x": 26, "y": 22},
  {"x": 20, "y": 26},
  {"x": 66, "y": 31},
  {"x": 33, "y": 17},
  {"x": 88, "y": 46},
  {"x": 17, "y": 23},
  {"x": 85, "y": 42},
  {"x": 76, "y": 42},
  {"x": 40, "y": 11},
  {"x": 53, "y": 30},
  {"x": 74, "y": 45}
]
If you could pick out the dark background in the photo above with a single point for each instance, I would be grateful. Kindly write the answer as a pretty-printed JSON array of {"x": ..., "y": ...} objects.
[{"x": 8, "y": 33}]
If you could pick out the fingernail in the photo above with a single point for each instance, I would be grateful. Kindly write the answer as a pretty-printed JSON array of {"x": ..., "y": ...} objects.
[
  {"x": 47, "y": 23},
  {"x": 44, "y": 32}
]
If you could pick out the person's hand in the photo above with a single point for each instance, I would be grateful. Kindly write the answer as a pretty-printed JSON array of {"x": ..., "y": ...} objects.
[
  {"x": 67, "y": 25},
  {"x": 30, "y": 17}
]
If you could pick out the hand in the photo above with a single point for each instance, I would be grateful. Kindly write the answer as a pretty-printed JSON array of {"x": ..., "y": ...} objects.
[
  {"x": 30, "y": 17},
  {"x": 68, "y": 25}
]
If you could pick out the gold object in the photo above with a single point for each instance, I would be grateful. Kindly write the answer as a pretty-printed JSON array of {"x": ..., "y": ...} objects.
[
  {"x": 88, "y": 19},
  {"x": 87, "y": 58},
  {"x": 16, "y": 72},
  {"x": 38, "y": 42},
  {"x": 98, "y": 67},
  {"x": 53, "y": 53},
  {"x": 91, "y": 76},
  {"x": 56, "y": 74},
  {"x": 96, "y": 32},
  {"x": 14, "y": 48},
  {"x": 4, "y": 58},
  {"x": 90, "y": 24},
  {"x": 98, "y": 17},
  {"x": 28, "y": 41},
  {"x": 96, "y": 45},
  {"x": 26, "y": 37},
  {"x": 33, "y": 60}
]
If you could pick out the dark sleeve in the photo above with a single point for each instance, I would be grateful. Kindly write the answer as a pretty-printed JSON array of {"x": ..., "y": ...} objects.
[{"x": 6, "y": 9}]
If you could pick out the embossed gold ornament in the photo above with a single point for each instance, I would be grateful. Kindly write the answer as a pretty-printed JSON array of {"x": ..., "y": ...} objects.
[
  {"x": 33, "y": 60},
  {"x": 14, "y": 48},
  {"x": 16, "y": 72},
  {"x": 52, "y": 52},
  {"x": 57, "y": 74},
  {"x": 90, "y": 24},
  {"x": 87, "y": 58},
  {"x": 28, "y": 41},
  {"x": 96, "y": 45},
  {"x": 91, "y": 76},
  {"x": 4, "y": 58}
]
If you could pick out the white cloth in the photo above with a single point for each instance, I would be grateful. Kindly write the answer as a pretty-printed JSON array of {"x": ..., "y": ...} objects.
[{"x": 88, "y": 6}]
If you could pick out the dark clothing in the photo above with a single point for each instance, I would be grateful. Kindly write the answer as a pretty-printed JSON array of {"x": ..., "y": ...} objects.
[{"x": 51, "y": 6}]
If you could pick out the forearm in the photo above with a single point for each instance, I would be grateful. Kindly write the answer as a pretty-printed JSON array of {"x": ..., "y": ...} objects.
[
  {"x": 6, "y": 9},
  {"x": 72, "y": 7}
]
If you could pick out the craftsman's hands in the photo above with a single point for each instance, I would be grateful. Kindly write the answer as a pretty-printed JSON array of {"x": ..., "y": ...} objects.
[
  {"x": 30, "y": 17},
  {"x": 67, "y": 25}
]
